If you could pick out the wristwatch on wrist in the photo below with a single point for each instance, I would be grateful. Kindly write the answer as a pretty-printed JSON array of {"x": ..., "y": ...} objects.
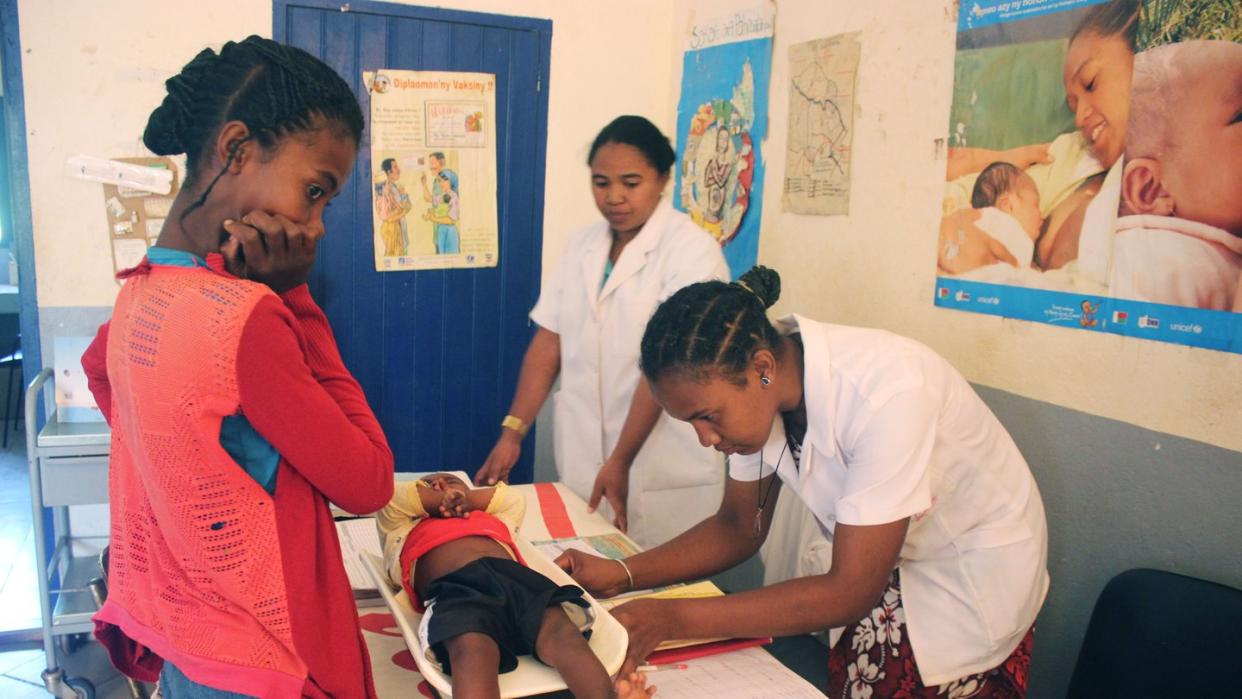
[{"x": 516, "y": 424}]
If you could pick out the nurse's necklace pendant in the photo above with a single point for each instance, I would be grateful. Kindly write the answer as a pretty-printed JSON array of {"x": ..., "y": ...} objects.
[{"x": 757, "y": 529}]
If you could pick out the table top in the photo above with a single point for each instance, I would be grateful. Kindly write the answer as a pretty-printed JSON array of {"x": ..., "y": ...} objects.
[
  {"x": 393, "y": 667},
  {"x": 74, "y": 434}
]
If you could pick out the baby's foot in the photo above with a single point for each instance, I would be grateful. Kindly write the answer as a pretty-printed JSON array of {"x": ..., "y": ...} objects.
[{"x": 634, "y": 687}]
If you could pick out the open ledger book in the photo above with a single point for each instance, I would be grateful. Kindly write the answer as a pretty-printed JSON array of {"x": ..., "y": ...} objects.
[{"x": 620, "y": 546}]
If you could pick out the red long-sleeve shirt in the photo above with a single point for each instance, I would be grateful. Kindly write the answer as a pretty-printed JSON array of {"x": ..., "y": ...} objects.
[{"x": 297, "y": 394}]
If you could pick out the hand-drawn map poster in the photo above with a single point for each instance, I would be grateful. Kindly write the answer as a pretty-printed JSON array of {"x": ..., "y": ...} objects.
[{"x": 822, "y": 76}]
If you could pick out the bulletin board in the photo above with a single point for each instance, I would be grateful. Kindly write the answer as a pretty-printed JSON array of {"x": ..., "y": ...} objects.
[{"x": 136, "y": 216}]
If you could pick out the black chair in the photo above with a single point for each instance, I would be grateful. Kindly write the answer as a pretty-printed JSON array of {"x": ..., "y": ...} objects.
[
  {"x": 13, "y": 400},
  {"x": 1158, "y": 634}
]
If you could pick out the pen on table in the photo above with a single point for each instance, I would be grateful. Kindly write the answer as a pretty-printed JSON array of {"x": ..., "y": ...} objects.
[{"x": 658, "y": 668}]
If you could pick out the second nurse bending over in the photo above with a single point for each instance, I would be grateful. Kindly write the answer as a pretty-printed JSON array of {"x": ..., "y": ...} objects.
[
  {"x": 939, "y": 540},
  {"x": 610, "y": 436}
]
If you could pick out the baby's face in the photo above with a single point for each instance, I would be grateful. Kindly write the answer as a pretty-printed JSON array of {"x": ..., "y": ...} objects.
[
  {"x": 1203, "y": 168},
  {"x": 447, "y": 482},
  {"x": 1024, "y": 206}
]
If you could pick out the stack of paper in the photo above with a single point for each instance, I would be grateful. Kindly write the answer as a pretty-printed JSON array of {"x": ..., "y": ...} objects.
[{"x": 358, "y": 535}]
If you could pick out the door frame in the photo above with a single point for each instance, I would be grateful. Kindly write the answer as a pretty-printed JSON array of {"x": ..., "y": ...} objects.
[
  {"x": 19, "y": 188},
  {"x": 280, "y": 10}
]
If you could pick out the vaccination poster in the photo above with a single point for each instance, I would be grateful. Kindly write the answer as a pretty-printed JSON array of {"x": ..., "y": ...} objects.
[
  {"x": 1094, "y": 168},
  {"x": 722, "y": 117},
  {"x": 433, "y": 161}
]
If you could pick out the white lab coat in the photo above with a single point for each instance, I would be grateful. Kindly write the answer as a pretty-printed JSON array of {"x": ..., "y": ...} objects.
[
  {"x": 675, "y": 482},
  {"x": 894, "y": 431}
]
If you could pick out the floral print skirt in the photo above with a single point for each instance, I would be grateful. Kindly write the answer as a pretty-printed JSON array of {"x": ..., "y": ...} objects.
[{"x": 873, "y": 658}]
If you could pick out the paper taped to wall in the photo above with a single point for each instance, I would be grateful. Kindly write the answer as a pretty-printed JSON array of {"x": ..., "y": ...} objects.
[{"x": 148, "y": 179}]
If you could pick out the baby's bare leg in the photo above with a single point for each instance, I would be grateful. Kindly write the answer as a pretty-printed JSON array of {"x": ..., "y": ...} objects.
[
  {"x": 475, "y": 659},
  {"x": 561, "y": 645}
]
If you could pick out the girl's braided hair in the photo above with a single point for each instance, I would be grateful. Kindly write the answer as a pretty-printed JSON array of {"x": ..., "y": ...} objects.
[
  {"x": 275, "y": 90},
  {"x": 713, "y": 328}
]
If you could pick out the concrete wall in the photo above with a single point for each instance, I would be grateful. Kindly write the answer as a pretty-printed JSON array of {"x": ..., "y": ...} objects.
[
  {"x": 93, "y": 73},
  {"x": 1135, "y": 444}
]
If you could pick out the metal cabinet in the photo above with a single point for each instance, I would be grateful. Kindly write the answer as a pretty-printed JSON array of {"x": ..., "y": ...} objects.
[{"x": 68, "y": 466}]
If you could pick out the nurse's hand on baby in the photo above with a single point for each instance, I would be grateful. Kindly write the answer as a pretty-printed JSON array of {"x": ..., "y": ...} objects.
[
  {"x": 602, "y": 577},
  {"x": 270, "y": 249},
  {"x": 612, "y": 483},
  {"x": 649, "y": 623},
  {"x": 501, "y": 459}
]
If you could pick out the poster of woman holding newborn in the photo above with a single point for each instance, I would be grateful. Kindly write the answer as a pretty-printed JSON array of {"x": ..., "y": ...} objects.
[{"x": 1078, "y": 139}]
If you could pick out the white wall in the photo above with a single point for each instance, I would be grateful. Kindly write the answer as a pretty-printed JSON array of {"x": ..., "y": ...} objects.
[
  {"x": 94, "y": 71},
  {"x": 876, "y": 267}
]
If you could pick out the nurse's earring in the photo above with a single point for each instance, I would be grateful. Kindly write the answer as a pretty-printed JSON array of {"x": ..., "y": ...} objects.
[{"x": 765, "y": 380}]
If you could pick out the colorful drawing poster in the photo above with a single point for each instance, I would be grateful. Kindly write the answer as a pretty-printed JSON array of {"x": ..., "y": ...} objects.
[
  {"x": 819, "y": 144},
  {"x": 722, "y": 118},
  {"x": 433, "y": 161},
  {"x": 1083, "y": 189}
]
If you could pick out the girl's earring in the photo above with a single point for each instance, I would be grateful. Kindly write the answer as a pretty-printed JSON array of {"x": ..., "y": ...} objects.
[{"x": 765, "y": 380}]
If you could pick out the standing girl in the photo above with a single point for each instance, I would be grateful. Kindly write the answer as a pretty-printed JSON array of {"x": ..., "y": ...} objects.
[
  {"x": 591, "y": 313},
  {"x": 234, "y": 421}
]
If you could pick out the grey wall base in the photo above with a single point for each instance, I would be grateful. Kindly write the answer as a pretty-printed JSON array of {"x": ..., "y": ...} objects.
[{"x": 1118, "y": 497}]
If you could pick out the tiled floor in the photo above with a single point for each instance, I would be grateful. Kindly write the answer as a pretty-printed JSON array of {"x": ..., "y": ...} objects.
[
  {"x": 22, "y": 661},
  {"x": 19, "y": 596},
  {"x": 21, "y": 671}
]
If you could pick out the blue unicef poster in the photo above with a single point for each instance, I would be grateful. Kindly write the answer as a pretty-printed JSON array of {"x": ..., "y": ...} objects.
[
  {"x": 722, "y": 118},
  {"x": 1083, "y": 189}
]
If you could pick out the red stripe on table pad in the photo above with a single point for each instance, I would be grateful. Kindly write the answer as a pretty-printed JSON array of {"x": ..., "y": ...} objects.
[{"x": 552, "y": 507}]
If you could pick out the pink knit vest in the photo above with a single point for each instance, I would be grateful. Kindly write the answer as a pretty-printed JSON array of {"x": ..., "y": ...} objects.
[{"x": 195, "y": 572}]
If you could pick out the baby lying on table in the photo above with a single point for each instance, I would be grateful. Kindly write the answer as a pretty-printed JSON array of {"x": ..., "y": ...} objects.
[{"x": 483, "y": 606}]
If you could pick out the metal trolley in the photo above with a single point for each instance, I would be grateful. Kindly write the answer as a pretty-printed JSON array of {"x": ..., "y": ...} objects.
[{"x": 68, "y": 466}]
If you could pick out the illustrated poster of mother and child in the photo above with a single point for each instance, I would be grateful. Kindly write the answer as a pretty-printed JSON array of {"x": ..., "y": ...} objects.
[
  {"x": 442, "y": 209},
  {"x": 1099, "y": 151}
]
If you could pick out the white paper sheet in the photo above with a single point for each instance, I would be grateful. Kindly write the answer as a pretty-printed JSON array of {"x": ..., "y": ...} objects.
[
  {"x": 744, "y": 674},
  {"x": 358, "y": 535}
]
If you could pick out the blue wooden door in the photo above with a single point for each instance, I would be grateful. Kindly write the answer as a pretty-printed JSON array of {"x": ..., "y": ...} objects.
[{"x": 437, "y": 351}]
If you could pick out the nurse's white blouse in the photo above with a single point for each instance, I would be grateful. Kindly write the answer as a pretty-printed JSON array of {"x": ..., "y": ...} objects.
[
  {"x": 894, "y": 431},
  {"x": 675, "y": 482}
]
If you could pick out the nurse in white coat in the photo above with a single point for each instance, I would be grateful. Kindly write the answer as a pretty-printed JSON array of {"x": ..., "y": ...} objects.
[
  {"x": 612, "y": 440},
  {"x": 939, "y": 538}
]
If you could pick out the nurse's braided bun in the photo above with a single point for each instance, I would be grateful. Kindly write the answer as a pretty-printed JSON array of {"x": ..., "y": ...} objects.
[
  {"x": 763, "y": 282},
  {"x": 275, "y": 90},
  {"x": 712, "y": 328}
]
